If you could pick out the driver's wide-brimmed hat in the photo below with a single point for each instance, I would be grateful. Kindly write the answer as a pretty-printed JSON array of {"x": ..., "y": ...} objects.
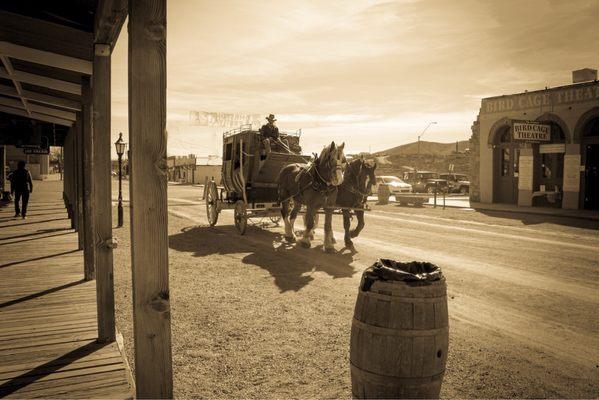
[{"x": 271, "y": 117}]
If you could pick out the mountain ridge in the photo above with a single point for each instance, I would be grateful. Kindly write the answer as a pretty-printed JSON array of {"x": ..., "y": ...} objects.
[{"x": 426, "y": 147}]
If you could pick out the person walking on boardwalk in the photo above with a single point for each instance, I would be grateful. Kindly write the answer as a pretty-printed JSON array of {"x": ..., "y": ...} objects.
[{"x": 21, "y": 186}]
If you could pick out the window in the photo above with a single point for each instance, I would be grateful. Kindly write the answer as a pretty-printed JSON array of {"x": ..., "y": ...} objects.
[{"x": 228, "y": 151}]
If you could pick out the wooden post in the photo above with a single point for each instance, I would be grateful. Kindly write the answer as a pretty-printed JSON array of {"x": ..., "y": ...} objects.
[
  {"x": 148, "y": 193},
  {"x": 103, "y": 192},
  {"x": 3, "y": 169},
  {"x": 66, "y": 158},
  {"x": 89, "y": 263},
  {"x": 70, "y": 175},
  {"x": 79, "y": 179}
]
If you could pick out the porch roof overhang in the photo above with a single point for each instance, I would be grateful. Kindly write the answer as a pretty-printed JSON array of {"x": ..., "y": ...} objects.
[{"x": 45, "y": 53}]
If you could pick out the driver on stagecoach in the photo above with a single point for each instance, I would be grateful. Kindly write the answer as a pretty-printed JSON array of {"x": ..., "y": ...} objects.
[
  {"x": 270, "y": 130},
  {"x": 270, "y": 133}
]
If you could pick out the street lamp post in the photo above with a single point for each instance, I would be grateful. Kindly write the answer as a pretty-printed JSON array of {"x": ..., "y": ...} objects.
[
  {"x": 424, "y": 130},
  {"x": 120, "y": 146}
]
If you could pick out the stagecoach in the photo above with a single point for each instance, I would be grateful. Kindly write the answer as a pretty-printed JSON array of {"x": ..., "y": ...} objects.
[{"x": 249, "y": 175}]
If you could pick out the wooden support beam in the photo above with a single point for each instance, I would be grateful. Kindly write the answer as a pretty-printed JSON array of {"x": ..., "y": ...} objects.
[
  {"x": 44, "y": 81},
  {"x": 103, "y": 194},
  {"x": 109, "y": 19},
  {"x": 89, "y": 255},
  {"x": 79, "y": 180},
  {"x": 43, "y": 35},
  {"x": 148, "y": 193},
  {"x": 3, "y": 167},
  {"x": 67, "y": 115},
  {"x": 10, "y": 71},
  {"x": 71, "y": 176},
  {"x": 36, "y": 116},
  {"x": 61, "y": 102},
  {"x": 45, "y": 58}
]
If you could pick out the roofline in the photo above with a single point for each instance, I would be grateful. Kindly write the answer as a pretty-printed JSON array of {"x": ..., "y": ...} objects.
[{"x": 548, "y": 89}]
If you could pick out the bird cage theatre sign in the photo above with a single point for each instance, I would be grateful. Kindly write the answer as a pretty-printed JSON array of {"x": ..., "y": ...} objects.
[{"x": 531, "y": 131}]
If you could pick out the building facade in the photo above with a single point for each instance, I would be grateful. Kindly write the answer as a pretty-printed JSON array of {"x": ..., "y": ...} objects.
[{"x": 539, "y": 148}]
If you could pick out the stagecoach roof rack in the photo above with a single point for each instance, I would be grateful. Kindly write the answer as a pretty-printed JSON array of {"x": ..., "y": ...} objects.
[{"x": 248, "y": 127}]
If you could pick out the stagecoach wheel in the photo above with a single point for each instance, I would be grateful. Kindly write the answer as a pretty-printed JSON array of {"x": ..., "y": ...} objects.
[
  {"x": 240, "y": 216},
  {"x": 212, "y": 203}
]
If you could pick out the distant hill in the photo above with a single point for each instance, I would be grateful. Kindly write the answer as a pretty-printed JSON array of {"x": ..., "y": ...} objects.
[{"x": 430, "y": 148}]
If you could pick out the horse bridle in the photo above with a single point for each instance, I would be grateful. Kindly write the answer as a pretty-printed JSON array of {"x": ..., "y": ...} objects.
[
  {"x": 333, "y": 170},
  {"x": 357, "y": 190}
]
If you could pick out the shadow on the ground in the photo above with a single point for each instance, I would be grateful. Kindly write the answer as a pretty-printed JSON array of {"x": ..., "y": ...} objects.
[
  {"x": 535, "y": 219},
  {"x": 290, "y": 265}
]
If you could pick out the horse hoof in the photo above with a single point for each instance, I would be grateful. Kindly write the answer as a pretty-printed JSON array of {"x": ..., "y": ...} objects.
[
  {"x": 305, "y": 244},
  {"x": 354, "y": 234},
  {"x": 329, "y": 250},
  {"x": 290, "y": 239},
  {"x": 349, "y": 244}
]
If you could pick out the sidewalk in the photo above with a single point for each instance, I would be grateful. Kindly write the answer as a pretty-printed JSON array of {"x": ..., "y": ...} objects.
[{"x": 554, "y": 212}]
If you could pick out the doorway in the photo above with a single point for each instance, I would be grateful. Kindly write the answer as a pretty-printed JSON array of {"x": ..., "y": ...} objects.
[
  {"x": 591, "y": 177},
  {"x": 505, "y": 176},
  {"x": 590, "y": 154}
]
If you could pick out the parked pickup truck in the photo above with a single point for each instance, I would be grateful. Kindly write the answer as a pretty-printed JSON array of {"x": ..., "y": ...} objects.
[
  {"x": 458, "y": 183},
  {"x": 425, "y": 181}
]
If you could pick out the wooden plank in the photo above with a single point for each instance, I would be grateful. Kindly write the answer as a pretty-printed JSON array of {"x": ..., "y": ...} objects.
[
  {"x": 65, "y": 365},
  {"x": 103, "y": 194},
  {"x": 35, "y": 115},
  {"x": 89, "y": 254},
  {"x": 43, "y": 35},
  {"x": 44, "y": 81},
  {"x": 79, "y": 178},
  {"x": 70, "y": 116},
  {"x": 46, "y": 58},
  {"x": 72, "y": 385},
  {"x": 148, "y": 191}
]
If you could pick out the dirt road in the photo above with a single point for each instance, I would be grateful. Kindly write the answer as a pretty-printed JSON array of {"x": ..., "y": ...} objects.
[{"x": 256, "y": 317}]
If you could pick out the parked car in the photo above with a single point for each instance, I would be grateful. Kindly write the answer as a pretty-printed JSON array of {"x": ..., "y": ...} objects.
[
  {"x": 458, "y": 183},
  {"x": 425, "y": 181},
  {"x": 395, "y": 184}
]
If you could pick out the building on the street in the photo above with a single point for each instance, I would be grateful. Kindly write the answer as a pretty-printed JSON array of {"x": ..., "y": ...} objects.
[
  {"x": 539, "y": 148},
  {"x": 192, "y": 169},
  {"x": 208, "y": 168},
  {"x": 180, "y": 168},
  {"x": 37, "y": 164}
]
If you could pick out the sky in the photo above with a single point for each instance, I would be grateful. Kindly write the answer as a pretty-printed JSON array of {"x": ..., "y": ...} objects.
[{"x": 372, "y": 74}]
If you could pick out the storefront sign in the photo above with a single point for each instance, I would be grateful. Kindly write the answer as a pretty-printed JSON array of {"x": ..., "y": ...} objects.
[
  {"x": 552, "y": 148},
  {"x": 572, "y": 173},
  {"x": 542, "y": 98},
  {"x": 35, "y": 150},
  {"x": 531, "y": 131},
  {"x": 525, "y": 172}
]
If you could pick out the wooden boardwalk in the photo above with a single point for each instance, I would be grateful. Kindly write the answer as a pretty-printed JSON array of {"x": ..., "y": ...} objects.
[{"x": 47, "y": 312}]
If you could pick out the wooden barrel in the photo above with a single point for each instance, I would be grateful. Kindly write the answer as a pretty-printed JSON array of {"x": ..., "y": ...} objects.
[
  {"x": 383, "y": 194},
  {"x": 399, "y": 339}
]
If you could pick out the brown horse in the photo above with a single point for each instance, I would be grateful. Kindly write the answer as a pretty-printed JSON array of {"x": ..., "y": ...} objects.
[
  {"x": 315, "y": 186},
  {"x": 352, "y": 195}
]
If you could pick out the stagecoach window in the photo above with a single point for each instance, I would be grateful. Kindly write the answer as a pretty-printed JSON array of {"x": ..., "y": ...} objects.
[{"x": 228, "y": 151}]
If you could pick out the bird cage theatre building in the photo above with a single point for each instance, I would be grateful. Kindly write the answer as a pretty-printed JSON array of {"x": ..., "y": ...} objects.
[{"x": 539, "y": 148}]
